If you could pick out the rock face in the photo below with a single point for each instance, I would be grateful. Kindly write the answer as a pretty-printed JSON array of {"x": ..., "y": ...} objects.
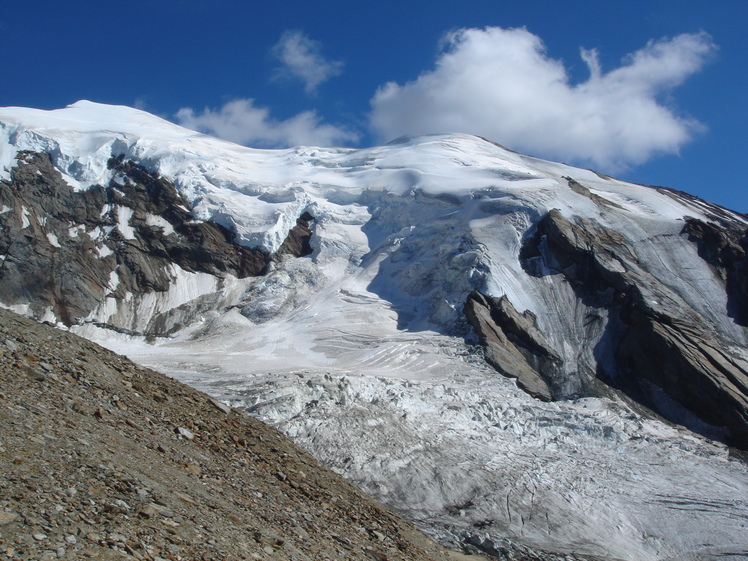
[
  {"x": 655, "y": 344},
  {"x": 513, "y": 344},
  {"x": 725, "y": 246},
  {"x": 103, "y": 459},
  {"x": 69, "y": 251},
  {"x": 298, "y": 243}
]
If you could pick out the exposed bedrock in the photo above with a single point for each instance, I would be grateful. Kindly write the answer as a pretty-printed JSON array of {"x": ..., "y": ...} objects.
[
  {"x": 725, "y": 249},
  {"x": 67, "y": 251},
  {"x": 692, "y": 367},
  {"x": 655, "y": 347},
  {"x": 513, "y": 345},
  {"x": 298, "y": 241}
]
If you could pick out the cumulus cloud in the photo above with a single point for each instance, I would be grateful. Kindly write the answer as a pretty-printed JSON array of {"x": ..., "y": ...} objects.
[
  {"x": 302, "y": 59},
  {"x": 241, "y": 121},
  {"x": 501, "y": 84}
]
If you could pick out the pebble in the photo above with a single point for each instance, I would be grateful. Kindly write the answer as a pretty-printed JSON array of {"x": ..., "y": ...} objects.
[
  {"x": 116, "y": 538},
  {"x": 7, "y": 517},
  {"x": 185, "y": 498},
  {"x": 122, "y": 504},
  {"x": 220, "y": 406},
  {"x": 185, "y": 433},
  {"x": 379, "y": 535},
  {"x": 148, "y": 511}
]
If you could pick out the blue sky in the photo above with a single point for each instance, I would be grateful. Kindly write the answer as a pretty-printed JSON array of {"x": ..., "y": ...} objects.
[{"x": 650, "y": 91}]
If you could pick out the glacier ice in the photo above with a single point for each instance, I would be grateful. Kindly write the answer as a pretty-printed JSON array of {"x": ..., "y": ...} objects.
[{"x": 361, "y": 353}]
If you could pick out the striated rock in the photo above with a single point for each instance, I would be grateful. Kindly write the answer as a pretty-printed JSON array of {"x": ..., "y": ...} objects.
[
  {"x": 655, "y": 345},
  {"x": 690, "y": 366},
  {"x": 725, "y": 246},
  {"x": 513, "y": 345},
  {"x": 589, "y": 255}
]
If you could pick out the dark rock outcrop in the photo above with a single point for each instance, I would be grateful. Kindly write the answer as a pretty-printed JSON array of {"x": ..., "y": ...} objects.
[
  {"x": 586, "y": 253},
  {"x": 725, "y": 247},
  {"x": 691, "y": 366},
  {"x": 513, "y": 345},
  {"x": 297, "y": 243},
  {"x": 580, "y": 189},
  {"x": 660, "y": 352},
  {"x": 62, "y": 248}
]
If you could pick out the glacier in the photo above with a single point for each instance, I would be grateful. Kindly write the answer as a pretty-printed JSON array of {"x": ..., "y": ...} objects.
[{"x": 361, "y": 351}]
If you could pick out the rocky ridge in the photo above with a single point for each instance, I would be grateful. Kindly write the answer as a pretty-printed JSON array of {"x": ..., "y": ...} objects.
[
  {"x": 654, "y": 342},
  {"x": 68, "y": 252},
  {"x": 103, "y": 459}
]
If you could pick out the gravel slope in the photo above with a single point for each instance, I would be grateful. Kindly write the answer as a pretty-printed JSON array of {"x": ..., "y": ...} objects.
[{"x": 103, "y": 459}]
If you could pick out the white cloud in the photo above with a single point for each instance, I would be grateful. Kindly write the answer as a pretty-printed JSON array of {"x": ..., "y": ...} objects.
[
  {"x": 242, "y": 122},
  {"x": 302, "y": 59},
  {"x": 500, "y": 84}
]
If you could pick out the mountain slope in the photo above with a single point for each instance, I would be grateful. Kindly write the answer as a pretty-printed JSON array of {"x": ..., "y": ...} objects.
[
  {"x": 101, "y": 458},
  {"x": 364, "y": 300}
]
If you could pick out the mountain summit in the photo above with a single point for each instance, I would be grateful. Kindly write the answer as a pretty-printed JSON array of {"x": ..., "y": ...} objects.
[{"x": 497, "y": 346}]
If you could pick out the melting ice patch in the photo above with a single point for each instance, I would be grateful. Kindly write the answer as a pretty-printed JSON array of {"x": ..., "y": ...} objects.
[
  {"x": 124, "y": 214},
  {"x": 53, "y": 239},
  {"x": 160, "y": 222}
]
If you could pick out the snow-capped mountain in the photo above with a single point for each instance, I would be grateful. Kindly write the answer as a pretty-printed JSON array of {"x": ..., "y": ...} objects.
[{"x": 479, "y": 338}]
